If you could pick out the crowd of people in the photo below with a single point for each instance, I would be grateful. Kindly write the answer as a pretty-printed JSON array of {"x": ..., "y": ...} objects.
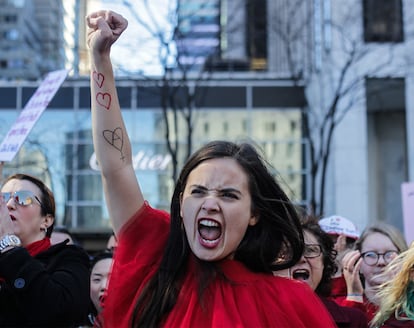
[{"x": 233, "y": 251}]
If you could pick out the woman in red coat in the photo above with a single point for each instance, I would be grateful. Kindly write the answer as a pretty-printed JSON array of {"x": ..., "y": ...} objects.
[{"x": 209, "y": 263}]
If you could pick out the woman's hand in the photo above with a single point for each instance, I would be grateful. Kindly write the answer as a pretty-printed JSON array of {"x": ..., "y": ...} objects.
[
  {"x": 351, "y": 264},
  {"x": 6, "y": 223},
  {"x": 104, "y": 28}
]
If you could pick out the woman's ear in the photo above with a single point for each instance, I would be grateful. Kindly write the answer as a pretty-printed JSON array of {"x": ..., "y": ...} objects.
[{"x": 253, "y": 220}]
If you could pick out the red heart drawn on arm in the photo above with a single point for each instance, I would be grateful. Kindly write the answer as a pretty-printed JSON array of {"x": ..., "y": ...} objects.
[
  {"x": 103, "y": 99},
  {"x": 98, "y": 78}
]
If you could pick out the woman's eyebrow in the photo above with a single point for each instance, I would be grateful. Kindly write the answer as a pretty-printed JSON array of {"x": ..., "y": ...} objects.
[
  {"x": 226, "y": 189},
  {"x": 230, "y": 189},
  {"x": 198, "y": 186}
]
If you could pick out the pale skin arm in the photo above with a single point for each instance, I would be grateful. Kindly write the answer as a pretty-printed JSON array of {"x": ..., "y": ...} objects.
[{"x": 111, "y": 142}]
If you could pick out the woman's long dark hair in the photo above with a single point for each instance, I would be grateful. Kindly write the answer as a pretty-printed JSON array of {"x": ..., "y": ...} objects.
[{"x": 277, "y": 235}]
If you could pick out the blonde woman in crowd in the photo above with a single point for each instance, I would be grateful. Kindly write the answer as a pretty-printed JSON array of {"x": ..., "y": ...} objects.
[
  {"x": 396, "y": 296},
  {"x": 364, "y": 268}
]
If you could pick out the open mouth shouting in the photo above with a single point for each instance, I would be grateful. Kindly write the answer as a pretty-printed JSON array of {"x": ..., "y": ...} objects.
[
  {"x": 209, "y": 232},
  {"x": 301, "y": 274}
]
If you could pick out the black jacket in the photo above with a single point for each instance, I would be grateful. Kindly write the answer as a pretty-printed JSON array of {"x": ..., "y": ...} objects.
[{"x": 48, "y": 290}]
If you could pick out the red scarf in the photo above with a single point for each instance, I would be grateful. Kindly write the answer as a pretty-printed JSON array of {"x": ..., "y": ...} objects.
[{"x": 38, "y": 246}]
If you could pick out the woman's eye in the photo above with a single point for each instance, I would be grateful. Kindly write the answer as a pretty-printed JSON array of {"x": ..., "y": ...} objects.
[
  {"x": 229, "y": 195},
  {"x": 197, "y": 191}
]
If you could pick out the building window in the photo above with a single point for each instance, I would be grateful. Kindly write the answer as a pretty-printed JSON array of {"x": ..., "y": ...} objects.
[
  {"x": 16, "y": 63},
  {"x": 225, "y": 127},
  {"x": 383, "y": 21},
  {"x": 10, "y": 18},
  {"x": 293, "y": 126},
  {"x": 256, "y": 11},
  {"x": 11, "y": 35},
  {"x": 270, "y": 127},
  {"x": 289, "y": 149},
  {"x": 244, "y": 125}
]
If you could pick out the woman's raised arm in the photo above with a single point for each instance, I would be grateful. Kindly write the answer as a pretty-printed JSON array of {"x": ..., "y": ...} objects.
[{"x": 111, "y": 142}]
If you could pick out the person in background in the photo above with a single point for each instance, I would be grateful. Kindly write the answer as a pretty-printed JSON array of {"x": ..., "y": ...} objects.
[
  {"x": 344, "y": 234},
  {"x": 112, "y": 243},
  {"x": 60, "y": 234},
  {"x": 100, "y": 271},
  {"x": 396, "y": 296},
  {"x": 209, "y": 262},
  {"x": 364, "y": 267},
  {"x": 316, "y": 268},
  {"x": 40, "y": 285}
]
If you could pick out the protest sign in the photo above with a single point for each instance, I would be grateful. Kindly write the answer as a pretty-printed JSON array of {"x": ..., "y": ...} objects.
[
  {"x": 407, "y": 190},
  {"x": 30, "y": 114}
]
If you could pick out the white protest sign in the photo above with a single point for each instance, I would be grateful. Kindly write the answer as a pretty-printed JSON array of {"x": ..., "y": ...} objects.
[
  {"x": 407, "y": 190},
  {"x": 30, "y": 114}
]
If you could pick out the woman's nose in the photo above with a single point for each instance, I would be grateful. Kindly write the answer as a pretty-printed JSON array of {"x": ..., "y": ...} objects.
[
  {"x": 103, "y": 285},
  {"x": 381, "y": 261},
  {"x": 302, "y": 259},
  {"x": 210, "y": 204},
  {"x": 11, "y": 203}
]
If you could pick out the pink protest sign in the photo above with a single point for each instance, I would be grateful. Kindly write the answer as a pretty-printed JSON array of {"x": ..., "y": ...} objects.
[
  {"x": 30, "y": 114},
  {"x": 407, "y": 190}
]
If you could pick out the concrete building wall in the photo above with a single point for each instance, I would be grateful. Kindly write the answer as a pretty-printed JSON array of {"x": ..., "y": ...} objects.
[{"x": 373, "y": 144}]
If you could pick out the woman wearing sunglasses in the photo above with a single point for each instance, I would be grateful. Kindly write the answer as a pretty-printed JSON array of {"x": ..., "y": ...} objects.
[
  {"x": 40, "y": 285},
  {"x": 364, "y": 268}
]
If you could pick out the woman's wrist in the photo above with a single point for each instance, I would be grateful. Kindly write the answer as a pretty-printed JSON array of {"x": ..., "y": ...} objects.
[{"x": 355, "y": 297}]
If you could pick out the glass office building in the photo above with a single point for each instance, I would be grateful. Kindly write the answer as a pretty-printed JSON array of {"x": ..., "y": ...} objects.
[{"x": 59, "y": 148}]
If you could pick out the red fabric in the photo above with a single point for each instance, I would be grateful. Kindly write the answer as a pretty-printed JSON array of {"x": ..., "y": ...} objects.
[
  {"x": 339, "y": 293},
  {"x": 339, "y": 290},
  {"x": 395, "y": 323},
  {"x": 369, "y": 308},
  {"x": 250, "y": 300},
  {"x": 345, "y": 317},
  {"x": 38, "y": 246}
]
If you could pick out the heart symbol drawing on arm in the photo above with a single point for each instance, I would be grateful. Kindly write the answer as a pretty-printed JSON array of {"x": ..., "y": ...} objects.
[
  {"x": 115, "y": 138},
  {"x": 98, "y": 78},
  {"x": 103, "y": 99}
]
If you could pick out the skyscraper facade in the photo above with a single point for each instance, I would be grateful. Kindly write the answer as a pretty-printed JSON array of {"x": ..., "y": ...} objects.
[{"x": 32, "y": 40}]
